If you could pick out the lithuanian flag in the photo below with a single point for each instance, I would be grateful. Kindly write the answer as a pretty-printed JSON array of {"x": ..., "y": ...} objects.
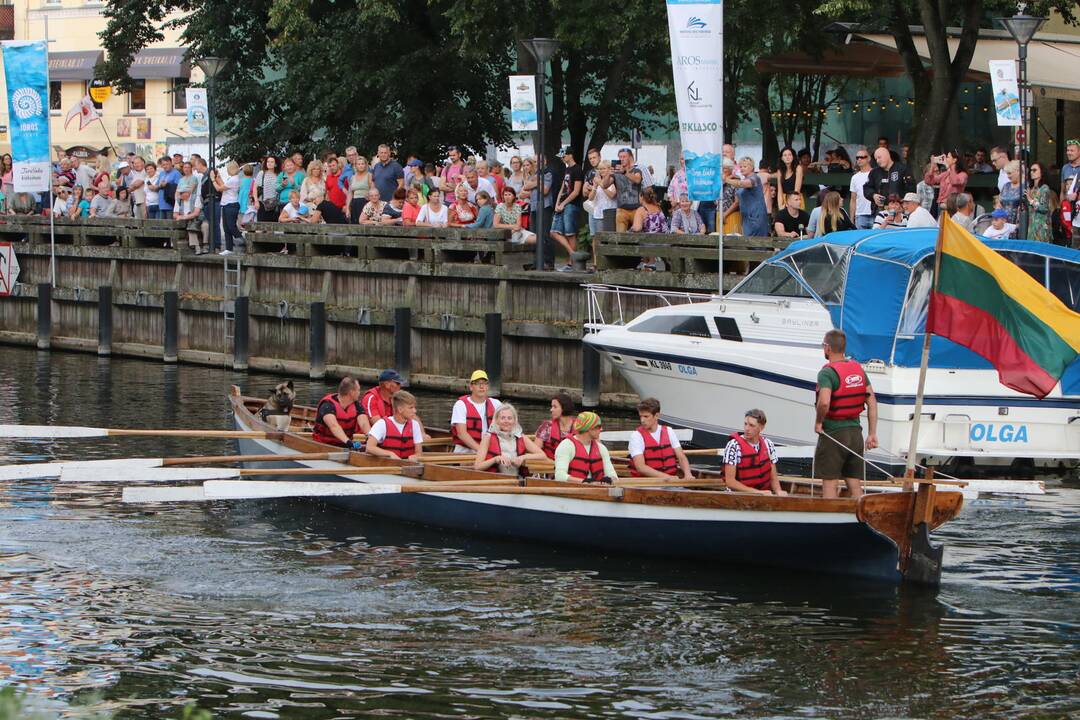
[{"x": 989, "y": 305}]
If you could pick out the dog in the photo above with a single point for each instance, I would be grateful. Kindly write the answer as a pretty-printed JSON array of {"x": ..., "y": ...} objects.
[{"x": 279, "y": 405}]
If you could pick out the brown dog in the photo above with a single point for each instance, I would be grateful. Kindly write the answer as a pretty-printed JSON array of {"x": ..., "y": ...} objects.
[{"x": 279, "y": 405}]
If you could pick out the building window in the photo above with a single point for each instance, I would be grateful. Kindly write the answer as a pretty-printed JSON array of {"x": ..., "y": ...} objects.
[
  {"x": 97, "y": 105},
  {"x": 137, "y": 96},
  {"x": 55, "y": 96},
  {"x": 179, "y": 97}
]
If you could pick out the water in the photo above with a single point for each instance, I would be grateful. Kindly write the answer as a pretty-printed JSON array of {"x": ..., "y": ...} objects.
[{"x": 280, "y": 609}]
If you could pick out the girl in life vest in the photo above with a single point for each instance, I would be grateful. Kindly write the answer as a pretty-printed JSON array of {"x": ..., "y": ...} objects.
[
  {"x": 399, "y": 436},
  {"x": 561, "y": 425},
  {"x": 654, "y": 450},
  {"x": 750, "y": 459},
  {"x": 505, "y": 449}
]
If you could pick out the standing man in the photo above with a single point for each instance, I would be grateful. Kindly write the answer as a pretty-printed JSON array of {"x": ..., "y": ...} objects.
[
  {"x": 999, "y": 156},
  {"x": 337, "y": 416},
  {"x": 861, "y": 211},
  {"x": 387, "y": 173},
  {"x": 842, "y": 391},
  {"x": 750, "y": 459},
  {"x": 472, "y": 414},
  {"x": 376, "y": 401},
  {"x": 84, "y": 173},
  {"x": 1070, "y": 186},
  {"x": 792, "y": 221},
  {"x": 888, "y": 178},
  {"x": 351, "y": 156},
  {"x": 448, "y": 176},
  {"x": 137, "y": 187},
  {"x": 168, "y": 176},
  {"x": 564, "y": 225}
]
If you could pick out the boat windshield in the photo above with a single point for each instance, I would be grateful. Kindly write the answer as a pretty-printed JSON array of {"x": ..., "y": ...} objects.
[
  {"x": 917, "y": 302},
  {"x": 773, "y": 279},
  {"x": 1064, "y": 278},
  {"x": 824, "y": 268}
]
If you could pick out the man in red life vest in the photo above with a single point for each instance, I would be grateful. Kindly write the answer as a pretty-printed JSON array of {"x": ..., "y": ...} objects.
[
  {"x": 338, "y": 415},
  {"x": 654, "y": 449},
  {"x": 750, "y": 459},
  {"x": 582, "y": 457},
  {"x": 376, "y": 401},
  {"x": 398, "y": 436},
  {"x": 842, "y": 391},
  {"x": 473, "y": 414}
]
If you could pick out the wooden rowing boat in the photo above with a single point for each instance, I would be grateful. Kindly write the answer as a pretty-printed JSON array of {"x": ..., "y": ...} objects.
[{"x": 883, "y": 536}]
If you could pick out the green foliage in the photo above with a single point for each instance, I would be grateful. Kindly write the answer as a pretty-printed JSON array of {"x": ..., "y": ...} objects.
[{"x": 13, "y": 707}]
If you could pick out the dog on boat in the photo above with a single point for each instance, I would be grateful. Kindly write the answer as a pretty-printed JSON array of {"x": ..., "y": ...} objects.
[{"x": 279, "y": 405}]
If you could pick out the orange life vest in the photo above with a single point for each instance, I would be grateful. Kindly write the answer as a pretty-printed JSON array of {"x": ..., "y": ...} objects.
[
  {"x": 553, "y": 440},
  {"x": 474, "y": 425},
  {"x": 495, "y": 449},
  {"x": 401, "y": 443},
  {"x": 848, "y": 400},
  {"x": 586, "y": 465},
  {"x": 374, "y": 406},
  {"x": 659, "y": 455},
  {"x": 346, "y": 417},
  {"x": 755, "y": 466}
]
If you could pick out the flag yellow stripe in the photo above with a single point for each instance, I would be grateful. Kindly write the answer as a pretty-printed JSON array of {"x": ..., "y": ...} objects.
[{"x": 1014, "y": 282}]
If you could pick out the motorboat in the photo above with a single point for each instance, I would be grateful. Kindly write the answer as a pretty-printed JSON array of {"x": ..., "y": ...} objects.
[{"x": 709, "y": 358}]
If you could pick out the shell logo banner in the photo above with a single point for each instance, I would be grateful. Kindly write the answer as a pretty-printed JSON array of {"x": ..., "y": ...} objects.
[{"x": 26, "y": 67}]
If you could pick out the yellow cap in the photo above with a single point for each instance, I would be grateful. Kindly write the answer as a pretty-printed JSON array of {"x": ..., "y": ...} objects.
[{"x": 478, "y": 375}]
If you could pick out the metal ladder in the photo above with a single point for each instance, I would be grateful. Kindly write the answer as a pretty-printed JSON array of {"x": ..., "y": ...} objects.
[{"x": 228, "y": 305}]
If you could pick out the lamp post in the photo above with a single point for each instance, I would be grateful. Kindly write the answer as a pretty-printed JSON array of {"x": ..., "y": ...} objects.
[
  {"x": 211, "y": 68},
  {"x": 1023, "y": 27},
  {"x": 542, "y": 49}
]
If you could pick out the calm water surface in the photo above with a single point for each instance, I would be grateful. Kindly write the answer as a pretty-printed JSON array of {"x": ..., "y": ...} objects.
[{"x": 284, "y": 609}]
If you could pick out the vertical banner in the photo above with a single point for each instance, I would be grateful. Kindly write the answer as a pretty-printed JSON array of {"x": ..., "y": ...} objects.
[
  {"x": 198, "y": 114},
  {"x": 1006, "y": 92},
  {"x": 696, "y": 29},
  {"x": 26, "y": 66},
  {"x": 523, "y": 115}
]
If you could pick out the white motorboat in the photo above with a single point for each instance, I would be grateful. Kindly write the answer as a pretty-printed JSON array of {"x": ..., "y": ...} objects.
[{"x": 709, "y": 358}]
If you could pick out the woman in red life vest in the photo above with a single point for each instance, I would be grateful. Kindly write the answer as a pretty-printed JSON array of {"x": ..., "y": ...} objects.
[
  {"x": 842, "y": 391},
  {"x": 582, "y": 457},
  {"x": 505, "y": 449},
  {"x": 338, "y": 415},
  {"x": 473, "y": 414},
  {"x": 750, "y": 459},
  {"x": 654, "y": 450},
  {"x": 400, "y": 435},
  {"x": 561, "y": 425}
]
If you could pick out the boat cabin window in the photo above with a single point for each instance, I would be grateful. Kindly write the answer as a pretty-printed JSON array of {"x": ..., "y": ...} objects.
[
  {"x": 824, "y": 268},
  {"x": 917, "y": 301},
  {"x": 728, "y": 329},
  {"x": 692, "y": 325},
  {"x": 773, "y": 279},
  {"x": 1065, "y": 282},
  {"x": 1034, "y": 265}
]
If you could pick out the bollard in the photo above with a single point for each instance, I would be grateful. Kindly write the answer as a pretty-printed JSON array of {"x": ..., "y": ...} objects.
[
  {"x": 105, "y": 324},
  {"x": 241, "y": 332},
  {"x": 403, "y": 342},
  {"x": 590, "y": 376},
  {"x": 172, "y": 325},
  {"x": 44, "y": 316},
  {"x": 493, "y": 351},
  {"x": 317, "y": 330}
]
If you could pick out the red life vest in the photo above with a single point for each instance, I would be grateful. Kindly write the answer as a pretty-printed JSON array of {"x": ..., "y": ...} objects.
[
  {"x": 374, "y": 406},
  {"x": 346, "y": 418},
  {"x": 659, "y": 455},
  {"x": 401, "y": 443},
  {"x": 474, "y": 426},
  {"x": 586, "y": 465},
  {"x": 553, "y": 440},
  {"x": 755, "y": 466},
  {"x": 495, "y": 449},
  {"x": 848, "y": 400}
]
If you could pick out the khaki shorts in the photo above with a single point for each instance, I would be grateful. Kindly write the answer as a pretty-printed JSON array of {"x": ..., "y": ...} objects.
[
  {"x": 624, "y": 219},
  {"x": 832, "y": 462}
]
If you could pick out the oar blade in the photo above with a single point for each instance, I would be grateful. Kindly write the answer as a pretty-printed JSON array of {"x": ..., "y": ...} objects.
[
  {"x": 55, "y": 469},
  {"x": 50, "y": 432},
  {"x": 190, "y": 493},
  {"x": 107, "y": 474},
  {"x": 258, "y": 489}
]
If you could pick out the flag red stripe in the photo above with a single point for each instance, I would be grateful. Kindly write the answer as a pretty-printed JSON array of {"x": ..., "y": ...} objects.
[{"x": 980, "y": 331}]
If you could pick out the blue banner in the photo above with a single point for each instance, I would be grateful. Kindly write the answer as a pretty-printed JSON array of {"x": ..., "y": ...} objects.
[{"x": 26, "y": 67}]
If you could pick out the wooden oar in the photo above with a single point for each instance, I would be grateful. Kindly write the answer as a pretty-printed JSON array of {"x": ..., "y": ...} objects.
[
  {"x": 176, "y": 474},
  {"x": 54, "y": 432}
]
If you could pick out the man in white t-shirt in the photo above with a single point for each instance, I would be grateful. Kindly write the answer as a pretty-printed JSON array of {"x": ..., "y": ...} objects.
[
  {"x": 474, "y": 184},
  {"x": 999, "y": 156},
  {"x": 861, "y": 211},
  {"x": 472, "y": 414},
  {"x": 399, "y": 436},
  {"x": 137, "y": 187},
  {"x": 918, "y": 216},
  {"x": 654, "y": 450}
]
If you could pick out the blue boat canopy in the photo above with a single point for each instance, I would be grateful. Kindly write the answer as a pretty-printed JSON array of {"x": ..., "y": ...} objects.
[{"x": 876, "y": 285}]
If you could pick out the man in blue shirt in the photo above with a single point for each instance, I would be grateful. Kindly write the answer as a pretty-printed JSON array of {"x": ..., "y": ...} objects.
[
  {"x": 351, "y": 155},
  {"x": 168, "y": 175},
  {"x": 387, "y": 173}
]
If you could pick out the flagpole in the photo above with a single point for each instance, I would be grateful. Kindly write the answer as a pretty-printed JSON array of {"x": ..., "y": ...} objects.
[
  {"x": 909, "y": 470},
  {"x": 107, "y": 138}
]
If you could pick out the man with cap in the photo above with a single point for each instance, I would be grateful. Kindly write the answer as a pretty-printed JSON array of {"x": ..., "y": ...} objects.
[
  {"x": 472, "y": 414},
  {"x": 918, "y": 216},
  {"x": 564, "y": 225},
  {"x": 582, "y": 457},
  {"x": 1070, "y": 189},
  {"x": 62, "y": 203},
  {"x": 376, "y": 401},
  {"x": 1000, "y": 227}
]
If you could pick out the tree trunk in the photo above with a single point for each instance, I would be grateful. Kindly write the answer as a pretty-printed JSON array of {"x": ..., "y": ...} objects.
[
  {"x": 557, "y": 122},
  {"x": 769, "y": 149},
  {"x": 613, "y": 84},
  {"x": 576, "y": 122}
]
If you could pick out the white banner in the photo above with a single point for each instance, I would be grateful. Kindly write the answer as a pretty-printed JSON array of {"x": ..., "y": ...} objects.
[
  {"x": 1006, "y": 92},
  {"x": 523, "y": 117},
  {"x": 198, "y": 113},
  {"x": 696, "y": 29}
]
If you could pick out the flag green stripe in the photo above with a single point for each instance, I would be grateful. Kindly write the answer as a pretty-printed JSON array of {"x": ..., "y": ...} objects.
[{"x": 974, "y": 286}]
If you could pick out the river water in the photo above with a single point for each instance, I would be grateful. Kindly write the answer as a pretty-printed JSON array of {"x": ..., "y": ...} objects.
[{"x": 282, "y": 609}]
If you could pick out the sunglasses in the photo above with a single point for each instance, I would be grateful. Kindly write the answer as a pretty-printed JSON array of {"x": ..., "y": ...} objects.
[{"x": 862, "y": 157}]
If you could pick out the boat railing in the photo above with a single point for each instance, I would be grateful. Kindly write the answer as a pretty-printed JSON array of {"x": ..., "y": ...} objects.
[{"x": 620, "y": 295}]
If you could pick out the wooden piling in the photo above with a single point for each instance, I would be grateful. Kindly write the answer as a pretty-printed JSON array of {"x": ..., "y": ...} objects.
[{"x": 105, "y": 320}]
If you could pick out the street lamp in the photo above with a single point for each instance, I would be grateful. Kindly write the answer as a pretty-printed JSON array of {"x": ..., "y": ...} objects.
[
  {"x": 211, "y": 68},
  {"x": 542, "y": 49},
  {"x": 1023, "y": 27}
]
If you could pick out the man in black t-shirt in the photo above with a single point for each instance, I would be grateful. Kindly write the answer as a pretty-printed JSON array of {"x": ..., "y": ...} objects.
[
  {"x": 791, "y": 220},
  {"x": 564, "y": 225}
]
